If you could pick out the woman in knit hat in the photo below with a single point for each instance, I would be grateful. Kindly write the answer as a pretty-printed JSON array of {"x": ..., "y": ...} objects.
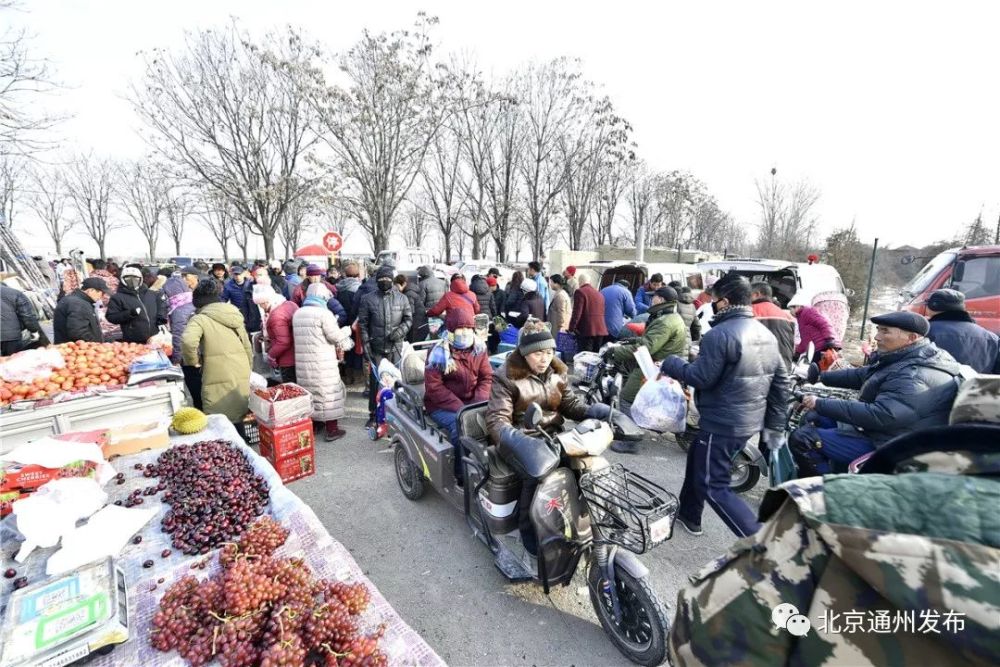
[{"x": 458, "y": 373}]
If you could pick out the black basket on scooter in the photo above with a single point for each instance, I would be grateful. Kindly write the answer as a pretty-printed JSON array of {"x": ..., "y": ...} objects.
[{"x": 629, "y": 509}]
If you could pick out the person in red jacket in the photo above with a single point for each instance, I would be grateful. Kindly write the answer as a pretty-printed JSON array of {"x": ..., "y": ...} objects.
[
  {"x": 587, "y": 321},
  {"x": 779, "y": 322},
  {"x": 278, "y": 313},
  {"x": 458, "y": 297},
  {"x": 813, "y": 328},
  {"x": 458, "y": 373}
]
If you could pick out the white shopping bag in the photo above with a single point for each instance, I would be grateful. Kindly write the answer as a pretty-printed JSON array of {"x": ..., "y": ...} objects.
[{"x": 660, "y": 406}]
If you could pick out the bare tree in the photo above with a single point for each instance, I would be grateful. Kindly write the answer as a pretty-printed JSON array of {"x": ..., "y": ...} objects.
[
  {"x": 975, "y": 233},
  {"x": 787, "y": 221},
  {"x": 381, "y": 124},
  {"x": 416, "y": 225},
  {"x": 241, "y": 235},
  {"x": 612, "y": 185},
  {"x": 222, "y": 113},
  {"x": 445, "y": 189},
  {"x": 589, "y": 155},
  {"x": 13, "y": 173},
  {"x": 90, "y": 183},
  {"x": 49, "y": 203},
  {"x": 641, "y": 192},
  {"x": 678, "y": 196},
  {"x": 23, "y": 78},
  {"x": 176, "y": 211},
  {"x": 296, "y": 221},
  {"x": 219, "y": 219},
  {"x": 141, "y": 192},
  {"x": 492, "y": 149},
  {"x": 552, "y": 96}
]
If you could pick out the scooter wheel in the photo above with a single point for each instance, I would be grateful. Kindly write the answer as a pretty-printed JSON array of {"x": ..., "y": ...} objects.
[
  {"x": 744, "y": 475},
  {"x": 641, "y": 634},
  {"x": 411, "y": 480}
]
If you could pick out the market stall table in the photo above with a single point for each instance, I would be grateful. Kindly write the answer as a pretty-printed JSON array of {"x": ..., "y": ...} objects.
[{"x": 308, "y": 539}]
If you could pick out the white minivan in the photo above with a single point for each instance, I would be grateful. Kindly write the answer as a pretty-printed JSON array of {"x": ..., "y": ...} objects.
[{"x": 405, "y": 259}]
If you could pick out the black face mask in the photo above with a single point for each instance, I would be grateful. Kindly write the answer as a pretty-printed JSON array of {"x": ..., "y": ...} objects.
[
  {"x": 384, "y": 285},
  {"x": 715, "y": 307}
]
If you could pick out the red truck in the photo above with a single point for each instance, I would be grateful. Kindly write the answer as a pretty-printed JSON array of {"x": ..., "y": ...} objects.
[{"x": 973, "y": 270}]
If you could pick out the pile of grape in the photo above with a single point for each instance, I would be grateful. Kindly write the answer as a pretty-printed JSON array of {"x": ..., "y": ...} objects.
[
  {"x": 267, "y": 611},
  {"x": 213, "y": 494}
]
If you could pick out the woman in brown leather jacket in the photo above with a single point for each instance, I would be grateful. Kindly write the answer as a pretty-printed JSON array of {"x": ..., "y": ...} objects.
[{"x": 532, "y": 374}]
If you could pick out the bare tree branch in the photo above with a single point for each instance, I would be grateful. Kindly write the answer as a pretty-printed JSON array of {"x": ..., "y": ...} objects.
[
  {"x": 90, "y": 183},
  {"x": 49, "y": 204},
  {"x": 142, "y": 194}
]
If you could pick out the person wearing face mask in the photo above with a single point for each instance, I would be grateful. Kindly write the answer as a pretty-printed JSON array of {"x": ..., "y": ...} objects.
[
  {"x": 533, "y": 374},
  {"x": 458, "y": 373},
  {"x": 384, "y": 320},
  {"x": 136, "y": 308},
  {"x": 75, "y": 317},
  {"x": 741, "y": 387}
]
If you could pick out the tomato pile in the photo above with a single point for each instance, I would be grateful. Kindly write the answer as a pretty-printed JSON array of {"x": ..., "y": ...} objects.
[
  {"x": 281, "y": 392},
  {"x": 87, "y": 365}
]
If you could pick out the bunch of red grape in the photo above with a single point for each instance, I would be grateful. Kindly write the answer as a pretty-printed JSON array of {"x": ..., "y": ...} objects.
[
  {"x": 213, "y": 493},
  {"x": 267, "y": 611},
  {"x": 261, "y": 539}
]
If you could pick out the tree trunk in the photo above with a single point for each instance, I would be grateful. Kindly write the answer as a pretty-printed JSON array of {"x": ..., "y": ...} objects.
[
  {"x": 100, "y": 248},
  {"x": 152, "y": 251},
  {"x": 268, "y": 246},
  {"x": 58, "y": 245},
  {"x": 447, "y": 249},
  {"x": 177, "y": 245}
]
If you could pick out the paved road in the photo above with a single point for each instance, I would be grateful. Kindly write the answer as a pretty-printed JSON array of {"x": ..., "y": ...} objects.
[{"x": 442, "y": 581}]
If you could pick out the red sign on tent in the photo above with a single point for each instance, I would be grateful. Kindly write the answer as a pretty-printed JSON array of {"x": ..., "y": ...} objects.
[{"x": 333, "y": 241}]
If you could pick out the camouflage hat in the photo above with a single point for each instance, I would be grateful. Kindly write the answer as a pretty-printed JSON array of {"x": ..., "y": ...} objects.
[{"x": 978, "y": 400}]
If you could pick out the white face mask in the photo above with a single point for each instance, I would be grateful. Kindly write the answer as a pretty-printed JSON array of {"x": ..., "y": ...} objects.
[{"x": 464, "y": 339}]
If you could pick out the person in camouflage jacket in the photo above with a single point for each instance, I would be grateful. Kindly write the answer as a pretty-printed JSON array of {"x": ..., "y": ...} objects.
[{"x": 895, "y": 566}]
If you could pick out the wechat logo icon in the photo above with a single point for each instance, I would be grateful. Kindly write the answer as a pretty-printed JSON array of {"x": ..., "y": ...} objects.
[{"x": 787, "y": 617}]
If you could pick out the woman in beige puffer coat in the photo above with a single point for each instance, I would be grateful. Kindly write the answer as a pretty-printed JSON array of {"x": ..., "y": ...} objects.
[{"x": 317, "y": 336}]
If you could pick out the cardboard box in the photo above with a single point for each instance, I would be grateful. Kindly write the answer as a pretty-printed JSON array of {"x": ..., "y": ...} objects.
[
  {"x": 135, "y": 438},
  {"x": 291, "y": 468},
  {"x": 279, "y": 413},
  {"x": 280, "y": 442},
  {"x": 18, "y": 477}
]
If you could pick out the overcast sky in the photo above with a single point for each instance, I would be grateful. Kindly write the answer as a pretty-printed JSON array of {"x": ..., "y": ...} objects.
[{"x": 889, "y": 108}]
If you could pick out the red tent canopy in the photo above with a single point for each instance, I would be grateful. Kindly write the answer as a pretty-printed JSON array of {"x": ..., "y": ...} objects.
[{"x": 314, "y": 250}]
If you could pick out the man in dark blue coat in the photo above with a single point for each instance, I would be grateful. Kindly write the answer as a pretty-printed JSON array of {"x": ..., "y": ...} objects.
[
  {"x": 741, "y": 388},
  {"x": 954, "y": 330},
  {"x": 910, "y": 385}
]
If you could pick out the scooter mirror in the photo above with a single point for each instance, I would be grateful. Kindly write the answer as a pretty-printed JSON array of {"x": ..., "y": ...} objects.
[
  {"x": 811, "y": 351},
  {"x": 533, "y": 416}
]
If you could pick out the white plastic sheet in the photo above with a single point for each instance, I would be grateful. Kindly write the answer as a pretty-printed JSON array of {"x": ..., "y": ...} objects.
[
  {"x": 660, "y": 406},
  {"x": 52, "y": 511}
]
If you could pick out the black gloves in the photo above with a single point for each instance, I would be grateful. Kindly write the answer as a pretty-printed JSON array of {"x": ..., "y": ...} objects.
[
  {"x": 812, "y": 376},
  {"x": 621, "y": 424}
]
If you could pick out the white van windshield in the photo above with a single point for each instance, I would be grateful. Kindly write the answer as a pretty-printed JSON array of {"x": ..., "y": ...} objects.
[{"x": 931, "y": 270}]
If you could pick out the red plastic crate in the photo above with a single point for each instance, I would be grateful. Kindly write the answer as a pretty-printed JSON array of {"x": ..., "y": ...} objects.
[
  {"x": 280, "y": 442},
  {"x": 297, "y": 466}
]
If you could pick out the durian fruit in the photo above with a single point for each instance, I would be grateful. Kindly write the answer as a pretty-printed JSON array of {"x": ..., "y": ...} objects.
[{"x": 189, "y": 420}]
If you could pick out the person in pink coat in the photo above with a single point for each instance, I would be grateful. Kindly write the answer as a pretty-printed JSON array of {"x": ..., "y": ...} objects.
[
  {"x": 278, "y": 313},
  {"x": 813, "y": 327}
]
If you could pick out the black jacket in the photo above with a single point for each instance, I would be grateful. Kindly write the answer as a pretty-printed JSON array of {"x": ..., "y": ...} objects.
[
  {"x": 532, "y": 305},
  {"x": 384, "y": 319},
  {"x": 500, "y": 301},
  {"x": 76, "y": 319},
  {"x": 740, "y": 382},
  {"x": 347, "y": 289},
  {"x": 250, "y": 310},
  {"x": 16, "y": 314},
  {"x": 483, "y": 296},
  {"x": 137, "y": 327},
  {"x": 957, "y": 333},
  {"x": 902, "y": 391},
  {"x": 418, "y": 328}
]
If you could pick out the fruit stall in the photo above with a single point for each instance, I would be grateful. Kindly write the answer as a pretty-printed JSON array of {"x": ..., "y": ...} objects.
[{"x": 136, "y": 531}]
